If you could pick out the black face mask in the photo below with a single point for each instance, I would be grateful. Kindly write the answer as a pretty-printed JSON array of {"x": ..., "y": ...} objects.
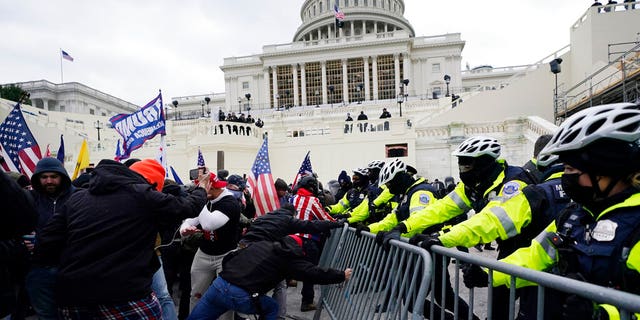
[{"x": 580, "y": 194}]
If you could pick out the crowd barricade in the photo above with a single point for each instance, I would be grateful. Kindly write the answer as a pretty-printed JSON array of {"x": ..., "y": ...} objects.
[
  {"x": 627, "y": 303},
  {"x": 385, "y": 284}
]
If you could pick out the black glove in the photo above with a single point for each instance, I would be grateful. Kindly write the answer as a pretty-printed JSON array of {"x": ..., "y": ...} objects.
[
  {"x": 394, "y": 234},
  {"x": 341, "y": 216},
  {"x": 342, "y": 221},
  {"x": 361, "y": 228},
  {"x": 380, "y": 237},
  {"x": 474, "y": 276},
  {"x": 417, "y": 239},
  {"x": 432, "y": 240},
  {"x": 576, "y": 307}
]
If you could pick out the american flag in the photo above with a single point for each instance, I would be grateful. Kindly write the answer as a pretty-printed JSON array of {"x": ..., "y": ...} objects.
[
  {"x": 339, "y": 14},
  {"x": 200, "y": 158},
  {"x": 305, "y": 169},
  {"x": 261, "y": 182},
  {"x": 17, "y": 145},
  {"x": 66, "y": 56}
]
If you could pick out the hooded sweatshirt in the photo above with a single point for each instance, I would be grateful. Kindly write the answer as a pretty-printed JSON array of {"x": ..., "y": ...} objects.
[{"x": 46, "y": 204}]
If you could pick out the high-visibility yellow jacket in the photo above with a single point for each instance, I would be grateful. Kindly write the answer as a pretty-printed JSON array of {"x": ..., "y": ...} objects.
[
  {"x": 361, "y": 212},
  {"x": 417, "y": 197},
  {"x": 457, "y": 202},
  {"x": 352, "y": 198},
  {"x": 606, "y": 246}
]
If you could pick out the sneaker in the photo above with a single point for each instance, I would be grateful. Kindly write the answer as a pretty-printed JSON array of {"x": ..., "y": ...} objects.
[{"x": 307, "y": 307}]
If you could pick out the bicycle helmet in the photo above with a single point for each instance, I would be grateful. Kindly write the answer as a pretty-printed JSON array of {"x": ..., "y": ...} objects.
[
  {"x": 544, "y": 160},
  {"x": 478, "y": 146},
  {"x": 375, "y": 164},
  {"x": 390, "y": 170},
  {"x": 618, "y": 121},
  {"x": 360, "y": 171}
]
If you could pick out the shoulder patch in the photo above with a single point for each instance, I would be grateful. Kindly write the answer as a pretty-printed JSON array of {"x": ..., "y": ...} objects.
[
  {"x": 424, "y": 198},
  {"x": 510, "y": 189}
]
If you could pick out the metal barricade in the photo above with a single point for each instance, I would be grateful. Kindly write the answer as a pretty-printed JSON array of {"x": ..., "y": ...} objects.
[
  {"x": 627, "y": 303},
  {"x": 385, "y": 284}
]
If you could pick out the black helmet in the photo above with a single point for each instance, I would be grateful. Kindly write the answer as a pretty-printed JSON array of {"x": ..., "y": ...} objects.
[{"x": 310, "y": 183}]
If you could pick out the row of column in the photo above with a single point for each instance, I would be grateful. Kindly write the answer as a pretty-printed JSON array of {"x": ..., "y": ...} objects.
[
  {"x": 331, "y": 33},
  {"x": 345, "y": 83}
]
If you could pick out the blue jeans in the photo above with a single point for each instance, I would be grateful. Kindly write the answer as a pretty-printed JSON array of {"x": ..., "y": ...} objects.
[
  {"x": 40, "y": 283},
  {"x": 223, "y": 296},
  {"x": 159, "y": 286}
]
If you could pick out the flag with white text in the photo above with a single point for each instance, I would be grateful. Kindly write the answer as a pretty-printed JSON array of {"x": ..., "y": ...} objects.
[
  {"x": 18, "y": 147},
  {"x": 305, "y": 169},
  {"x": 261, "y": 181},
  {"x": 140, "y": 126}
]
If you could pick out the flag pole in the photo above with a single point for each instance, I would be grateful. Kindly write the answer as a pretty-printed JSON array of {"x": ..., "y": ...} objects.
[{"x": 61, "y": 74}]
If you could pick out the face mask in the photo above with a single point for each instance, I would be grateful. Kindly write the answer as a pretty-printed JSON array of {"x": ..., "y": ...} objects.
[
  {"x": 469, "y": 178},
  {"x": 580, "y": 194}
]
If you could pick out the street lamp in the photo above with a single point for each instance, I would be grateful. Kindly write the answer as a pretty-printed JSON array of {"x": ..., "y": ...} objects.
[
  {"x": 400, "y": 101},
  {"x": 239, "y": 105},
  {"x": 447, "y": 80},
  {"x": 248, "y": 96},
  {"x": 175, "y": 105},
  {"x": 555, "y": 69},
  {"x": 99, "y": 126},
  {"x": 207, "y": 100}
]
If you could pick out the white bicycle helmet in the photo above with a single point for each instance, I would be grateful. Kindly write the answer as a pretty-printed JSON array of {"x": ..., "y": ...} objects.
[
  {"x": 544, "y": 160},
  {"x": 620, "y": 121},
  {"x": 478, "y": 146},
  {"x": 390, "y": 170},
  {"x": 375, "y": 164},
  {"x": 361, "y": 171}
]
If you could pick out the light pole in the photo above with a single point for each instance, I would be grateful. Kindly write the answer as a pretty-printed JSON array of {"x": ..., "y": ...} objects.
[
  {"x": 447, "y": 80},
  {"x": 555, "y": 69},
  {"x": 207, "y": 100},
  {"x": 248, "y": 96},
  {"x": 98, "y": 126},
  {"x": 239, "y": 106},
  {"x": 175, "y": 105},
  {"x": 400, "y": 100}
]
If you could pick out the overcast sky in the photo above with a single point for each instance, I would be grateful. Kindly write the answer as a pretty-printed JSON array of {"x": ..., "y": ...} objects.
[{"x": 130, "y": 49}]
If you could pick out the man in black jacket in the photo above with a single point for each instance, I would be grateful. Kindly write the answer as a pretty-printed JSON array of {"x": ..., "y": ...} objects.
[
  {"x": 102, "y": 240},
  {"x": 251, "y": 272}
]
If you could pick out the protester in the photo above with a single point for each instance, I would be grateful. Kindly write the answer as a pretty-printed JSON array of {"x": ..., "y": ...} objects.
[
  {"x": 249, "y": 273},
  {"x": 102, "y": 239}
]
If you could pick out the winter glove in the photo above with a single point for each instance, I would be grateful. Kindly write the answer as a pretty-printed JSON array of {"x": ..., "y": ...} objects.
[
  {"x": 576, "y": 307},
  {"x": 474, "y": 276},
  {"x": 432, "y": 240},
  {"x": 394, "y": 234},
  {"x": 361, "y": 228},
  {"x": 342, "y": 221},
  {"x": 417, "y": 239}
]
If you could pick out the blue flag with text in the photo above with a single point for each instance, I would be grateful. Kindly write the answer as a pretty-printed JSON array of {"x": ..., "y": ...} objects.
[{"x": 140, "y": 126}]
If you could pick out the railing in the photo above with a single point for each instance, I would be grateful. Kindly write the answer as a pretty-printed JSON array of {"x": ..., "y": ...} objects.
[
  {"x": 613, "y": 74},
  {"x": 385, "y": 284}
]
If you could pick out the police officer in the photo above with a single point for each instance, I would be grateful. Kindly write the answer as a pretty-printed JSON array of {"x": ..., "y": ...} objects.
[
  {"x": 596, "y": 239},
  {"x": 484, "y": 178},
  {"x": 354, "y": 196},
  {"x": 378, "y": 202},
  {"x": 513, "y": 220}
]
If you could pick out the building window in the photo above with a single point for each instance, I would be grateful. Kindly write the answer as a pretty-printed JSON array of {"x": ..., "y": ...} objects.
[
  {"x": 321, "y": 6},
  {"x": 366, "y": 3},
  {"x": 396, "y": 150},
  {"x": 245, "y": 85},
  {"x": 435, "y": 68},
  {"x": 91, "y": 111},
  {"x": 437, "y": 92}
]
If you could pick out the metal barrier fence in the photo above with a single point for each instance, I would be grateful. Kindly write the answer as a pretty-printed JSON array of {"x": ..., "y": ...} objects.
[
  {"x": 385, "y": 284},
  {"x": 394, "y": 284}
]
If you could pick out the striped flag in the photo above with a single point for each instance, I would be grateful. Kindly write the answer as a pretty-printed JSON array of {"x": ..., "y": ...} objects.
[
  {"x": 175, "y": 176},
  {"x": 17, "y": 145},
  {"x": 339, "y": 14},
  {"x": 200, "y": 159},
  {"x": 261, "y": 181},
  {"x": 66, "y": 56},
  {"x": 305, "y": 169}
]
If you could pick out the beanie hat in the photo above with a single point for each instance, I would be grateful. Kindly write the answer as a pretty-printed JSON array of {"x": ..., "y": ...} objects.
[
  {"x": 281, "y": 185},
  {"x": 297, "y": 239},
  {"x": 344, "y": 177},
  {"x": 151, "y": 170}
]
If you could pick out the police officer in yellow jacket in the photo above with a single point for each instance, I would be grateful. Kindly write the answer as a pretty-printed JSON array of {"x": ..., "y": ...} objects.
[
  {"x": 513, "y": 220},
  {"x": 484, "y": 178},
  {"x": 354, "y": 197},
  {"x": 597, "y": 238}
]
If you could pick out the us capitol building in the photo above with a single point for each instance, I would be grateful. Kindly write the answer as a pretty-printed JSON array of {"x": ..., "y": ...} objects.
[{"x": 303, "y": 91}]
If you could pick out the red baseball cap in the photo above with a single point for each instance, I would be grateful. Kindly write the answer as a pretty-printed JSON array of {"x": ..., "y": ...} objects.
[{"x": 215, "y": 182}]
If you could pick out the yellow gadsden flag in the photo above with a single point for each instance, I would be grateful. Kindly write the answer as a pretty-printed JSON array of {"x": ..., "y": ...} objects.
[{"x": 83, "y": 159}]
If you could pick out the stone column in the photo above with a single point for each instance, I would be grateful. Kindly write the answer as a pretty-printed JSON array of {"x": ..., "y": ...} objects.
[
  {"x": 274, "y": 70},
  {"x": 324, "y": 82},
  {"x": 303, "y": 80},
  {"x": 266, "y": 98},
  {"x": 296, "y": 101},
  {"x": 345, "y": 82},
  {"x": 365, "y": 81},
  {"x": 374, "y": 66},
  {"x": 406, "y": 61},
  {"x": 353, "y": 28},
  {"x": 396, "y": 67}
]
